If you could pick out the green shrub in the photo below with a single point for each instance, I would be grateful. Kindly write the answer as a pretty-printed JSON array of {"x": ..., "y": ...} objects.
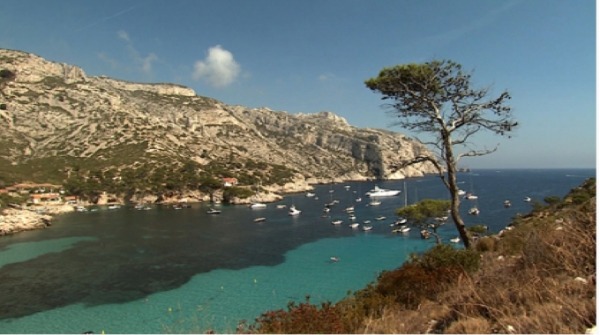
[
  {"x": 303, "y": 318},
  {"x": 412, "y": 283},
  {"x": 485, "y": 244},
  {"x": 444, "y": 255},
  {"x": 480, "y": 229}
]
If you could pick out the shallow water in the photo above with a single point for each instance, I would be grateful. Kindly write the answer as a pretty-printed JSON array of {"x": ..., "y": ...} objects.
[{"x": 165, "y": 270}]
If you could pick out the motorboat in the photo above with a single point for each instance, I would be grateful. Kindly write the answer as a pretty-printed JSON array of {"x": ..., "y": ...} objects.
[
  {"x": 379, "y": 218},
  {"x": 213, "y": 211},
  {"x": 507, "y": 203},
  {"x": 402, "y": 229},
  {"x": 326, "y": 209},
  {"x": 337, "y": 222},
  {"x": 374, "y": 202},
  {"x": 256, "y": 205},
  {"x": 470, "y": 196},
  {"x": 441, "y": 219},
  {"x": 293, "y": 211},
  {"x": 81, "y": 209},
  {"x": 354, "y": 225},
  {"x": 455, "y": 240},
  {"x": 281, "y": 206},
  {"x": 527, "y": 199},
  {"x": 425, "y": 234},
  {"x": 367, "y": 221},
  {"x": 352, "y": 217},
  {"x": 367, "y": 228},
  {"x": 349, "y": 209},
  {"x": 381, "y": 192},
  {"x": 400, "y": 221},
  {"x": 474, "y": 211},
  {"x": 310, "y": 195},
  {"x": 260, "y": 219},
  {"x": 461, "y": 192}
]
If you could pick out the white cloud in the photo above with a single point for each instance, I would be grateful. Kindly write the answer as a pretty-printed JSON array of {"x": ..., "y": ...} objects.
[
  {"x": 123, "y": 35},
  {"x": 144, "y": 64},
  {"x": 326, "y": 76},
  {"x": 219, "y": 68}
]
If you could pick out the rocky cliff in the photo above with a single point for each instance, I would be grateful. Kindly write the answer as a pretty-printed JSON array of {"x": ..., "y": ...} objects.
[{"x": 54, "y": 110}]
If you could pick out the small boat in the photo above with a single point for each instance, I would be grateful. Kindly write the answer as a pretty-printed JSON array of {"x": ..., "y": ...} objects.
[
  {"x": 354, "y": 225},
  {"x": 213, "y": 211},
  {"x": 367, "y": 221},
  {"x": 114, "y": 206},
  {"x": 461, "y": 192},
  {"x": 367, "y": 228},
  {"x": 470, "y": 196},
  {"x": 379, "y": 218},
  {"x": 404, "y": 229},
  {"x": 326, "y": 209},
  {"x": 260, "y": 219},
  {"x": 310, "y": 195},
  {"x": 381, "y": 192},
  {"x": 358, "y": 199},
  {"x": 293, "y": 211},
  {"x": 335, "y": 259},
  {"x": 147, "y": 208},
  {"x": 257, "y": 205},
  {"x": 374, "y": 202},
  {"x": 139, "y": 207},
  {"x": 337, "y": 222},
  {"x": 81, "y": 209},
  {"x": 325, "y": 216},
  {"x": 349, "y": 209},
  {"x": 400, "y": 221},
  {"x": 441, "y": 219},
  {"x": 507, "y": 203},
  {"x": 352, "y": 217},
  {"x": 474, "y": 211},
  {"x": 425, "y": 234},
  {"x": 527, "y": 199},
  {"x": 281, "y": 206},
  {"x": 347, "y": 187},
  {"x": 455, "y": 240}
]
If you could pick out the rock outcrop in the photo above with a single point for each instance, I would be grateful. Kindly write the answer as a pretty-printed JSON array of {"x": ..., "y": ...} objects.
[{"x": 55, "y": 110}]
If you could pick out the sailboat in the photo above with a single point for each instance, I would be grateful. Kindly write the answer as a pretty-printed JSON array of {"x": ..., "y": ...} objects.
[
  {"x": 470, "y": 195},
  {"x": 257, "y": 204}
]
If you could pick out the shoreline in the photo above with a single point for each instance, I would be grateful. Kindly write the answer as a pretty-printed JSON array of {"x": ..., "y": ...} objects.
[{"x": 15, "y": 220}]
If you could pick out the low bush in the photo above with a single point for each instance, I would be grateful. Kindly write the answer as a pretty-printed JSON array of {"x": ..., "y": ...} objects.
[
  {"x": 303, "y": 318},
  {"x": 485, "y": 244},
  {"x": 444, "y": 255}
]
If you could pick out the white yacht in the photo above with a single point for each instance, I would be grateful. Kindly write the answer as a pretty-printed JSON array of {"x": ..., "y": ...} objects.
[
  {"x": 255, "y": 205},
  {"x": 293, "y": 211},
  {"x": 381, "y": 192}
]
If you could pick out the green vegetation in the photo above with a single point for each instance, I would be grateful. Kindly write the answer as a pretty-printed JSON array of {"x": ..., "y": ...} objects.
[
  {"x": 427, "y": 214},
  {"x": 438, "y": 98}
]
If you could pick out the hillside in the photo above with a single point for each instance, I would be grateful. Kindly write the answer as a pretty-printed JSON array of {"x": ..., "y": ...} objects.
[
  {"x": 537, "y": 276},
  {"x": 56, "y": 120}
]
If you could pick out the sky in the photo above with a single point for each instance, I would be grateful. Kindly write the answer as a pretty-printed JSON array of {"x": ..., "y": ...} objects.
[{"x": 307, "y": 56}]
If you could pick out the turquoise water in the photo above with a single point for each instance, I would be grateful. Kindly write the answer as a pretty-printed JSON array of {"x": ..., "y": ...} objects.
[
  {"x": 182, "y": 271},
  {"x": 21, "y": 252},
  {"x": 219, "y": 299}
]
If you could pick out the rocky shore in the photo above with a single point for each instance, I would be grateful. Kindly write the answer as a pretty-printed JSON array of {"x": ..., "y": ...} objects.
[{"x": 13, "y": 220}]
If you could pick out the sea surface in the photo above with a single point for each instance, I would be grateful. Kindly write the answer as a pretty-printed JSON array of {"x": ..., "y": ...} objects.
[{"x": 170, "y": 271}]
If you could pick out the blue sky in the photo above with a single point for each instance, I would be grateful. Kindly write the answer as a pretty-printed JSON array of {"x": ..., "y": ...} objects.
[{"x": 309, "y": 56}]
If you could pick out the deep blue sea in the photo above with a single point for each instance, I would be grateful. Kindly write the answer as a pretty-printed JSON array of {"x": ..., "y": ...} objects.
[{"x": 165, "y": 270}]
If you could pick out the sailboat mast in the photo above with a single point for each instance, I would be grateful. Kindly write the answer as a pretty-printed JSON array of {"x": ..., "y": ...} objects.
[{"x": 405, "y": 195}]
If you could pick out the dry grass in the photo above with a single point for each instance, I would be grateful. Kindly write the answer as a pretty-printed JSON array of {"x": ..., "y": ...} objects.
[{"x": 527, "y": 285}]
